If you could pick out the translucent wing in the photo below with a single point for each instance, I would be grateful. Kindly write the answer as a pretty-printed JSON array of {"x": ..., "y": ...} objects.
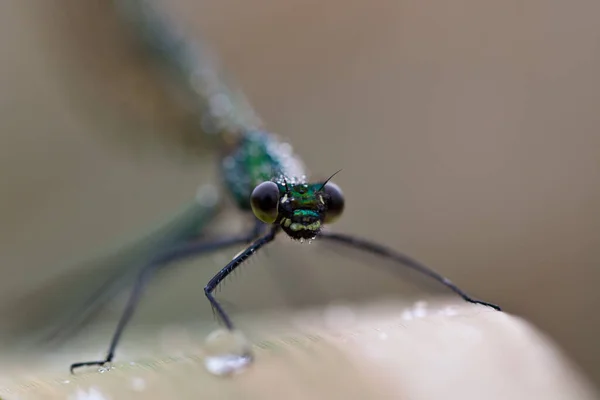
[{"x": 75, "y": 297}]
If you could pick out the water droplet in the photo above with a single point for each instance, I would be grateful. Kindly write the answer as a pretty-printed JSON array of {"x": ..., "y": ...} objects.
[
  {"x": 420, "y": 313},
  {"x": 419, "y": 309},
  {"x": 105, "y": 368},
  {"x": 227, "y": 364},
  {"x": 227, "y": 352}
]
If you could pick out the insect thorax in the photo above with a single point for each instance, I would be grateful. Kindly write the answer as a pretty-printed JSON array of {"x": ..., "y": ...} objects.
[{"x": 256, "y": 158}]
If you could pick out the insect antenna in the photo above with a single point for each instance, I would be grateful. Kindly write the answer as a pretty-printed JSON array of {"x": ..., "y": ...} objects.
[{"x": 328, "y": 179}]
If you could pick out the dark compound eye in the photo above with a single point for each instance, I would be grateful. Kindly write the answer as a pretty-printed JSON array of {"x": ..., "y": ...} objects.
[
  {"x": 265, "y": 201},
  {"x": 334, "y": 201}
]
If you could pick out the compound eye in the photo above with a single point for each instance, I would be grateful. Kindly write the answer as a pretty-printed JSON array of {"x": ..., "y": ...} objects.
[
  {"x": 265, "y": 201},
  {"x": 334, "y": 201}
]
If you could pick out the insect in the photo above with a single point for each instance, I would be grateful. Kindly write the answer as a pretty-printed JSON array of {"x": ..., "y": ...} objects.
[{"x": 262, "y": 174}]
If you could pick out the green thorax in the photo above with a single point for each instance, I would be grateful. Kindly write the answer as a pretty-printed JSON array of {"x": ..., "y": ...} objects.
[{"x": 258, "y": 157}]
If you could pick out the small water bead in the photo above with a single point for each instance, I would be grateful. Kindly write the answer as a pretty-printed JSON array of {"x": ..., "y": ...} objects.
[
  {"x": 105, "y": 368},
  {"x": 227, "y": 352},
  {"x": 420, "y": 309},
  {"x": 419, "y": 313}
]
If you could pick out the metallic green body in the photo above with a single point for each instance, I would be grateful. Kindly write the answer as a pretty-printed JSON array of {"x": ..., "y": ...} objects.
[{"x": 258, "y": 157}]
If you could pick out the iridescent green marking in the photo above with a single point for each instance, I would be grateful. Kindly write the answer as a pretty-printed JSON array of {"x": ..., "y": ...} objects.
[
  {"x": 305, "y": 214},
  {"x": 258, "y": 157}
]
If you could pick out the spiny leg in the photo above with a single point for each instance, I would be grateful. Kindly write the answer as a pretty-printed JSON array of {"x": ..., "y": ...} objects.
[
  {"x": 385, "y": 252},
  {"x": 229, "y": 268},
  {"x": 178, "y": 253}
]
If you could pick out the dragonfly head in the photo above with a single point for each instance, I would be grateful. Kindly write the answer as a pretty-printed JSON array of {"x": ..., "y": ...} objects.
[{"x": 300, "y": 209}]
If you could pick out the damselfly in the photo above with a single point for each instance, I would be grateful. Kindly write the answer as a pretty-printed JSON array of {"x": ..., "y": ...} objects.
[{"x": 263, "y": 176}]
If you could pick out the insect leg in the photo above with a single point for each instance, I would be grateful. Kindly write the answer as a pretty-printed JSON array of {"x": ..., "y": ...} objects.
[
  {"x": 229, "y": 268},
  {"x": 385, "y": 252},
  {"x": 175, "y": 254}
]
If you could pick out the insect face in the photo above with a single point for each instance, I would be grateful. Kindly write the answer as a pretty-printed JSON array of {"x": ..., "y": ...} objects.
[{"x": 300, "y": 209}]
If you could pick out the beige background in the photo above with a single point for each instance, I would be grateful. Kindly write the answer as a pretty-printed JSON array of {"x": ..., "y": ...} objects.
[{"x": 467, "y": 132}]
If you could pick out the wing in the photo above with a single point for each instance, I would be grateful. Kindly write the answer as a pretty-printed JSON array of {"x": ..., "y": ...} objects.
[{"x": 70, "y": 300}]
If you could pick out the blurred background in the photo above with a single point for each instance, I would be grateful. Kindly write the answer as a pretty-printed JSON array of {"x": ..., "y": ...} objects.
[{"x": 467, "y": 132}]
